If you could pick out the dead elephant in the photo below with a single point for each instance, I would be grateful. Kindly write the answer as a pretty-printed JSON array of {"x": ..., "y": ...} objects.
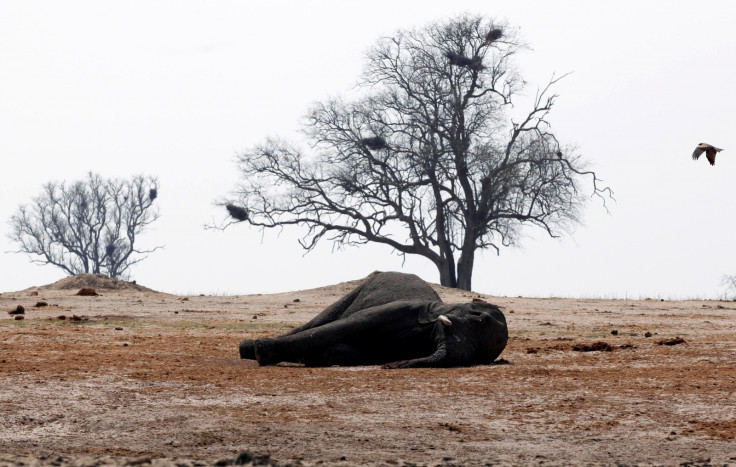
[{"x": 392, "y": 319}]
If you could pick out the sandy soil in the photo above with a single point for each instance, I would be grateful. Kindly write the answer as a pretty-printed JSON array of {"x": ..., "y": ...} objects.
[{"x": 145, "y": 378}]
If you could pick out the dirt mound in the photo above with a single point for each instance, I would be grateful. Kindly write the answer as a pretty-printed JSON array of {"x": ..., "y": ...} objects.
[
  {"x": 95, "y": 281},
  {"x": 447, "y": 294},
  {"x": 340, "y": 287}
]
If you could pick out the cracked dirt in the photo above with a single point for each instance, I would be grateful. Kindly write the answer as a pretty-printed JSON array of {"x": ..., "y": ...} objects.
[{"x": 146, "y": 375}]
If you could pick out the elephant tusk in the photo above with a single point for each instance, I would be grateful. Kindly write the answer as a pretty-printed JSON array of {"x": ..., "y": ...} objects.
[{"x": 444, "y": 320}]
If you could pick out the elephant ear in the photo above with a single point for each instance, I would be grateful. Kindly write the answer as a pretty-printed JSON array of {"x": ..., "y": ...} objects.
[{"x": 428, "y": 314}]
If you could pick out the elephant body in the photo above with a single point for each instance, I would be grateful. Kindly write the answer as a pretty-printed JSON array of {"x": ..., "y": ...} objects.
[{"x": 393, "y": 319}]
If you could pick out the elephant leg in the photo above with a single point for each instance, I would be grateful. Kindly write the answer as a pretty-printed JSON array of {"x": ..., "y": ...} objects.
[
  {"x": 393, "y": 317},
  {"x": 247, "y": 349},
  {"x": 332, "y": 312},
  {"x": 308, "y": 346},
  {"x": 338, "y": 354}
]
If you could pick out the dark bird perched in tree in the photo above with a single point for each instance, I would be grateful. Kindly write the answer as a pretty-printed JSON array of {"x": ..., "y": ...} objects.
[
  {"x": 110, "y": 249},
  {"x": 374, "y": 143},
  {"x": 237, "y": 213},
  {"x": 457, "y": 59},
  {"x": 462, "y": 61},
  {"x": 559, "y": 154},
  {"x": 709, "y": 150},
  {"x": 153, "y": 194},
  {"x": 493, "y": 35}
]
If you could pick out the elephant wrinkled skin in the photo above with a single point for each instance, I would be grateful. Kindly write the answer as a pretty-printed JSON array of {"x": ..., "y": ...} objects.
[{"x": 393, "y": 319}]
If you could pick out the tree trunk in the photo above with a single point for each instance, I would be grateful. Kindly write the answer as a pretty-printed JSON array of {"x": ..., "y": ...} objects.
[
  {"x": 465, "y": 268},
  {"x": 447, "y": 274}
]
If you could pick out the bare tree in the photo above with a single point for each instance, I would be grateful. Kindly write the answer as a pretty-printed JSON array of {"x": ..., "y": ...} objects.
[
  {"x": 90, "y": 226},
  {"x": 431, "y": 159},
  {"x": 729, "y": 282}
]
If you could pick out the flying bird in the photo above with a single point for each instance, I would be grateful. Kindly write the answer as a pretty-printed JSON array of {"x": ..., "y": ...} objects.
[{"x": 709, "y": 150}]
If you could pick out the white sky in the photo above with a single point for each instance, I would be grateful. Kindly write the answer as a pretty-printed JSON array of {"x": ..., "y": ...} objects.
[{"x": 176, "y": 89}]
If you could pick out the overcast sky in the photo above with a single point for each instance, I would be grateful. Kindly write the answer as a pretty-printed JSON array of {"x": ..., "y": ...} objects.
[{"x": 176, "y": 89}]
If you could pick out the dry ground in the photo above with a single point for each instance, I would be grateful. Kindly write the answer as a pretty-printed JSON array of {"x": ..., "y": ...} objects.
[{"x": 144, "y": 376}]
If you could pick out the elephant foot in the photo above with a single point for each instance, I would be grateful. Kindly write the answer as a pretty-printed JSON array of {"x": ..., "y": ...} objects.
[
  {"x": 247, "y": 349},
  {"x": 264, "y": 353}
]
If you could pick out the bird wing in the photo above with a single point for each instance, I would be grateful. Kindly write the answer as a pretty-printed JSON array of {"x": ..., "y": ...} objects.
[
  {"x": 698, "y": 151},
  {"x": 710, "y": 153}
]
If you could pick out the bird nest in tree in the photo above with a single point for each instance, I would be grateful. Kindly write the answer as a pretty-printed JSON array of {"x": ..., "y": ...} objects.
[
  {"x": 236, "y": 212},
  {"x": 374, "y": 143},
  {"x": 494, "y": 35},
  {"x": 459, "y": 60}
]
